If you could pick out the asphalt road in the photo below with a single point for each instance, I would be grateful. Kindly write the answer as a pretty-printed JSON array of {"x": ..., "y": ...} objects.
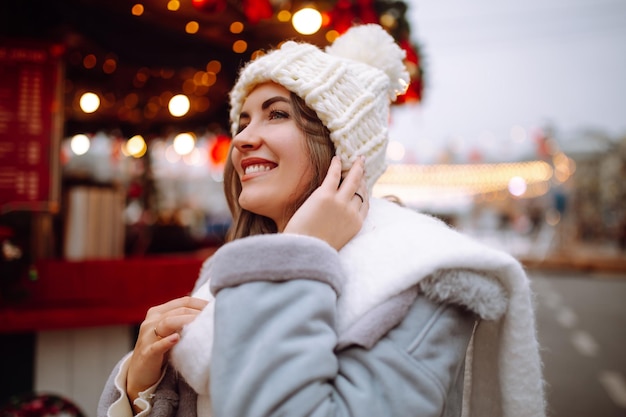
[{"x": 581, "y": 323}]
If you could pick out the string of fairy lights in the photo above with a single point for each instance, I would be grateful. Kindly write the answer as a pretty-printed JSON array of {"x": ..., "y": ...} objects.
[{"x": 412, "y": 183}]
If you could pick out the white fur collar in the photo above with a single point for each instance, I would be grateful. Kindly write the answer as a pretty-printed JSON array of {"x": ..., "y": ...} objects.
[{"x": 396, "y": 248}]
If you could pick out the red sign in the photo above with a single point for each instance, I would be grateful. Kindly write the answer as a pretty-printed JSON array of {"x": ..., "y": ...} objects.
[{"x": 30, "y": 126}]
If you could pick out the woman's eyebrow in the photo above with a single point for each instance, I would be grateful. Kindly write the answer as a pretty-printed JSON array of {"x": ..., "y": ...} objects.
[{"x": 273, "y": 100}]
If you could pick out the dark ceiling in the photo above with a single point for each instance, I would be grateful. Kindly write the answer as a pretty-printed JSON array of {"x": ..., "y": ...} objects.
[{"x": 154, "y": 42}]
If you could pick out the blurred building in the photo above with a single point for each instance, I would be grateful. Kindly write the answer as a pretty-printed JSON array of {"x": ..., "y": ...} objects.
[{"x": 598, "y": 199}]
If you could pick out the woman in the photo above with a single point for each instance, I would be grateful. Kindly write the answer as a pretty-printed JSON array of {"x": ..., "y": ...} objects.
[{"x": 326, "y": 301}]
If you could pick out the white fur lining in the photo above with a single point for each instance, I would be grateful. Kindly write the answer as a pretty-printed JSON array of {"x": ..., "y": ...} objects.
[
  {"x": 395, "y": 250},
  {"x": 481, "y": 294}
]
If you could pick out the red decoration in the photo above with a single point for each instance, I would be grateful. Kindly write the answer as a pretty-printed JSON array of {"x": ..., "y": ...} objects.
[
  {"x": 255, "y": 10},
  {"x": 366, "y": 12},
  {"x": 342, "y": 15},
  {"x": 348, "y": 12},
  {"x": 218, "y": 150},
  {"x": 414, "y": 92},
  {"x": 209, "y": 6}
]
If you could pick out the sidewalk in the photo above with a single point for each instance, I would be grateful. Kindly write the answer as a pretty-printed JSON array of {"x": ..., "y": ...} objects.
[
  {"x": 544, "y": 252},
  {"x": 581, "y": 257}
]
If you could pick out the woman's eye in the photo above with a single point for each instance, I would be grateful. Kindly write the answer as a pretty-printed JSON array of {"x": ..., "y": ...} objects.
[{"x": 278, "y": 114}]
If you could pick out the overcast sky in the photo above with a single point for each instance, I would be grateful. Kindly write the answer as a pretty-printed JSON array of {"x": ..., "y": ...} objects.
[{"x": 494, "y": 64}]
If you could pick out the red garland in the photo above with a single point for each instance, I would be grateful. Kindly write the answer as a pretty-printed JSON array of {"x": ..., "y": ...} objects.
[
  {"x": 346, "y": 13},
  {"x": 255, "y": 10},
  {"x": 210, "y": 6},
  {"x": 414, "y": 92}
]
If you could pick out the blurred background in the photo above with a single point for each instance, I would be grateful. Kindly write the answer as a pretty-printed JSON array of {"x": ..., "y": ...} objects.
[{"x": 114, "y": 132}]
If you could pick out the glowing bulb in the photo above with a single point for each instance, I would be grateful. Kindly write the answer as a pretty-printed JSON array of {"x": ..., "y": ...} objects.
[
  {"x": 136, "y": 146},
  {"x": 179, "y": 105},
  {"x": 184, "y": 143},
  {"x": 517, "y": 186},
  {"x": 89, "y": 102},
  {"x": 307, "y": 21},
  {"x": 79, "y": 144}
]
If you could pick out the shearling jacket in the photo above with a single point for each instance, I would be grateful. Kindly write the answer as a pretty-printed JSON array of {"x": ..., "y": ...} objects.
[
  {"x": 379, "y": 329},
  {"x": 276, "y": 349}
]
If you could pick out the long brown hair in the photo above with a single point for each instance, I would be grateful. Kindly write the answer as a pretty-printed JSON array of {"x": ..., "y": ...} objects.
[{"x": 320, "y": 149}]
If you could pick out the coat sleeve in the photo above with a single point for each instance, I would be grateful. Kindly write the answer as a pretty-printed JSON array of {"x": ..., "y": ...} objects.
[{"x": 274, "y": 350}]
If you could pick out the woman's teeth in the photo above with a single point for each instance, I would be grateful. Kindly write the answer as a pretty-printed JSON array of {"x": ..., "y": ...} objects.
[{"x": 256, "y": 168}]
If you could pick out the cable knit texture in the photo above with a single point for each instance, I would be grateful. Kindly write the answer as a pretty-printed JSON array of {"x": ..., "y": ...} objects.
[{"x": 350, "y": 86}]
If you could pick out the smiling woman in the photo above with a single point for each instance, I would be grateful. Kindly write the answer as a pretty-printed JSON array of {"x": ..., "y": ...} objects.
[
  {"x": 270, "y": 156},
  {"x": 324, "y": 300}
]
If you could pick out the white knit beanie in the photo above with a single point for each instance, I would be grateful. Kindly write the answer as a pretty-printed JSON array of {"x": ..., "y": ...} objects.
[{"x": 350, "y": 86}]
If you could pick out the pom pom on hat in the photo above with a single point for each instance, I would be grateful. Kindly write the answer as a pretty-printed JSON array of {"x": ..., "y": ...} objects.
[
  {"x": 350, "y": 86},
  {"x": 372, "y": 45}
]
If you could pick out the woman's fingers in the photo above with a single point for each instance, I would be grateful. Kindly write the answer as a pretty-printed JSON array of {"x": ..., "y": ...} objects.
[
  {"x": 171, "y": 324},
  {"x": 189, "y": 302},
  {"x": 158, "y": 333},
  {"x": 354, "y": 187},
  {"x": 170, "y": 317},
  {"x": 354, "y": 181},
  {"x": 333, "y": 176}
]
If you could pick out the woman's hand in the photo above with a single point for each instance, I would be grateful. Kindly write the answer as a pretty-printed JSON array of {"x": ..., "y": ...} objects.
[
  {"x": 157, "y": 335},
  {"x": 334, "y": 212}
]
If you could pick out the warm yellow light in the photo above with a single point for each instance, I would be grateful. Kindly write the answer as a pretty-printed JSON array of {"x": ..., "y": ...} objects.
[
  {"x": 307, "y": 21},
  {"x": 137, "y": 9},
  {"x": 192, "y": 27},
  {"x": 173, "y": 5},
  {"x": 179, "y": 105},
  {"x": 236, "y": 27},
  {"x": 331, "y": 35},
  {"x": 184, "y": 143},
  {"x": 388, "y": 20},
  {"x": 79, "y": 144},
  {"x": 214, "y": 66},
  {"x": 89, "y": 102},
  {"x": 284, "y": 16},
  {"x": 136, "y": 146},
  {"x": 240, "y": 46},
  {"x": 469, "y": 180},
  {"x": 257, "y": 54}
]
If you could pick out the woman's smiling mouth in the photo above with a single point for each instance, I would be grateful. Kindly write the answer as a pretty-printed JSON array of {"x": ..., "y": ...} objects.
[{"x": 251, "y": 166}]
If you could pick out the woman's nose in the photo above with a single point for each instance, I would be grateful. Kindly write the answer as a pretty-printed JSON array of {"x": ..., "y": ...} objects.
[{"x": 247, "y": 139}]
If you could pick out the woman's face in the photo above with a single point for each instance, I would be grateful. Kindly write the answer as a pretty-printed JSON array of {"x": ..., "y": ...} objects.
[{"x": 269, "y": 154}]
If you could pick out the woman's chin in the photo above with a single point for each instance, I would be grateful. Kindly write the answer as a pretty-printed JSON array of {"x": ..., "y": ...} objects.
[{"x": 254, "y": 203}]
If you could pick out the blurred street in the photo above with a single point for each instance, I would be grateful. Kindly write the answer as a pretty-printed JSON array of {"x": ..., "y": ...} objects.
[
  {"x": 581, "y": 320},
  {"x": 580, "y": 293}
]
